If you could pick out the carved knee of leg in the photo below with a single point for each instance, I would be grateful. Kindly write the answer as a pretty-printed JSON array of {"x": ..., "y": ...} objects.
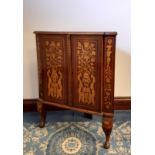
[{"x": 107, "y": 124}]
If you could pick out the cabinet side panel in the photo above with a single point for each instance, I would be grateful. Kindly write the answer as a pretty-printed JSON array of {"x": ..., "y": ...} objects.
[
  {"x": 86, "y": 51},
  {"x": 40, "y": 70},
  {"x": 52, "y": 59},
  {"x": 108, "y": 74}
]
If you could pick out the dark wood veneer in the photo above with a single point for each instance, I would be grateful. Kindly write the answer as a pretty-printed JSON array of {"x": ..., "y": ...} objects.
[{"x": 76, "y": 72}]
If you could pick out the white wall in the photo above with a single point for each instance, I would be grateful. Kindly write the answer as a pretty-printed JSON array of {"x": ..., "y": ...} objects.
[{"x": 77, "y": 15}]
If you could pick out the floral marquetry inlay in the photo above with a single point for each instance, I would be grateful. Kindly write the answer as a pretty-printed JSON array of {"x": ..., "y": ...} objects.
[
  {"x": 75, "y": 72},
  {"x": 108, "y": 74},
  {"x": 86, "y": 57},
  {"x": 54, "y": 58}
]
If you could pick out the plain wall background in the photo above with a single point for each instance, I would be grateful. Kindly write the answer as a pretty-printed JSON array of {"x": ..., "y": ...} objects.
[{"x": 77, "y": 15}]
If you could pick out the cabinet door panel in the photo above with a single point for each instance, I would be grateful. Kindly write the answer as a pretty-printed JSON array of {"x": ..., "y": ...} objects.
[
  {"x": 53, "y": 57},
  {"x": 86, "y": 60}
]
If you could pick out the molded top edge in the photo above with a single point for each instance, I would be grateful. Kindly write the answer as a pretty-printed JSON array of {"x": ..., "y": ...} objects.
[{"x": 76, "y": 33}]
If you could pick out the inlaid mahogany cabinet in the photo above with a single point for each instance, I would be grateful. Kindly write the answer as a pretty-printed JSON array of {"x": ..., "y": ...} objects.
[{"x": 76, "y": 72}]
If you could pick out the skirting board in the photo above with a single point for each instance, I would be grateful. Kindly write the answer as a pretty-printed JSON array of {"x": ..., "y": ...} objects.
[{"x": 120, "y": 103}]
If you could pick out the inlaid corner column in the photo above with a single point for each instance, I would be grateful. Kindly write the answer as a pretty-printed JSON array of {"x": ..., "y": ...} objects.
[{"x": 108, "y": 85}]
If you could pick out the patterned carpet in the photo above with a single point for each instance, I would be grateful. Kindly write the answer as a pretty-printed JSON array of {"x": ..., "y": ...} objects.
[{"x": 69, "y": 133}]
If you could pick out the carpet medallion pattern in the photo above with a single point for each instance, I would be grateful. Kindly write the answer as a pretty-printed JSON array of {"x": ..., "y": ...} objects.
[
  {"x": 72, "y": 140},
  {"x": 75, "y": 138}
]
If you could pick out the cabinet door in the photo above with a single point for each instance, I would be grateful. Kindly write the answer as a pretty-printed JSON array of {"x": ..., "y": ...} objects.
[
  {"x": 86, "y": 60},
  {"x": 52, "y": 60}
]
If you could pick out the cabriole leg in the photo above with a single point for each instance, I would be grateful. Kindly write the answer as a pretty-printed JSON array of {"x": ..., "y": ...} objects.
[
  {"x": 107, "y": 128},
  {"x": 41, "y": 110}
]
